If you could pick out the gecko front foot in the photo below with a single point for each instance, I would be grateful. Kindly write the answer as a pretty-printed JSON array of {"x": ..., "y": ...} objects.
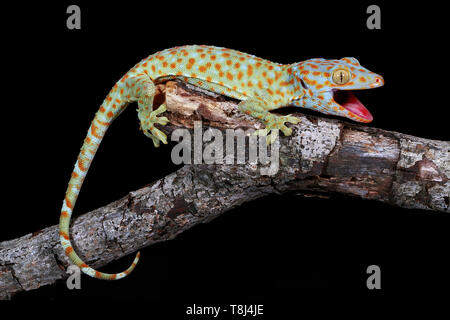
[
  {"x": 148, "y": 121},
  {"x": 274, "y": 123}
]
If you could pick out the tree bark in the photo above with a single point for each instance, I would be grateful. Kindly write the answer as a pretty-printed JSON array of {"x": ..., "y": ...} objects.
[{"x": 322, "y": 156}]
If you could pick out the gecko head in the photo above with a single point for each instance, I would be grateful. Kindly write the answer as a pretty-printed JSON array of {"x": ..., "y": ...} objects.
[{"x": 329, "y": 86}]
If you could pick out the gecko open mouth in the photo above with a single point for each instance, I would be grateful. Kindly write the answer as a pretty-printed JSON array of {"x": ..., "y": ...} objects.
[{"x": 347, "y": 100}]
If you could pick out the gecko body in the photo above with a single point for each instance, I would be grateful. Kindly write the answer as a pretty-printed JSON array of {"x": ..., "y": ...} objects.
[{"x": 261, "y": 85}]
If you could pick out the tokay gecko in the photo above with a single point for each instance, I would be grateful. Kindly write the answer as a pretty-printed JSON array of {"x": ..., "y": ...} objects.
[{"x": 260, "y": 85}]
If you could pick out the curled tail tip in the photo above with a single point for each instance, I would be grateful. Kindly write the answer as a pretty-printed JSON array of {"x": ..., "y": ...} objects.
[
  {"x": 101, "y": 275},
  {"x": 128, "y": 271},
  {"x": 113, "y": 276}
]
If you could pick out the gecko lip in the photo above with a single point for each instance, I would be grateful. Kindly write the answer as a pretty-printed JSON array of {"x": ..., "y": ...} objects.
[{"x": 347, "y": 100}]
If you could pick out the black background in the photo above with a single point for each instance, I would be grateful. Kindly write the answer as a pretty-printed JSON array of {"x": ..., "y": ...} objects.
[{"x": 283, "y": 251}]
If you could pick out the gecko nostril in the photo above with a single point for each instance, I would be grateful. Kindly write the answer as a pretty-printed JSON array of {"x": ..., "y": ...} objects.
[{"x": 379, "y": 80}]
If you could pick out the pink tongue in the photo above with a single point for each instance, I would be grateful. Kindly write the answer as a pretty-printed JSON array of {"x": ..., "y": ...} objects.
[{"x": 352, "y": 104}]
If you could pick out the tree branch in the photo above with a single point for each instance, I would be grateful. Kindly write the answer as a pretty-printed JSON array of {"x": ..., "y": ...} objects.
[{"x": 322, "y": 156}]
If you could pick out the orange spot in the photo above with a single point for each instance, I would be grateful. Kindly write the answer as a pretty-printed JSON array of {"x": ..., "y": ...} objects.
[
  {"x": 110, "y": 114},
  {"x": 240, "y": 74},
  {"x": 217, "y": 66},
  {"x": 250, "y": 84},
  {"x": 258, "y": 64},
  {"x": 277, "y": 75},
  {"x": 64, "y": 235},
  {"x": 113, "y": 276},
  {"x": 98, "y": 274},
  {"x": 173, "y": 65},
  {"x": 226, "y": 55},
  {"x": 153, "y": 68},
  {"x": 69, "y": 250},
  {"x": 81, "y": 167},
  {"x": 203, "y": 56},
  {"x": 229, "y": 62},
  {"x": 213, "y": 57},
  {"x": 362, "y": 79},
  {"x": 316, "y": 73},
  {"x": 102, "y": 109},
  {"x": 237, "y": 65},
  {"x": 165, "y": 64},
  {"x": 191, "y": 60},
  {"x": 65, "y": 214},
  {"x": 229, "y": 76},
  {"x": 144, "y": 64},
  {"x": 202, "y": 68},
  {"x": 249, "y": 70},
  {"x": 94, "y": 131}
]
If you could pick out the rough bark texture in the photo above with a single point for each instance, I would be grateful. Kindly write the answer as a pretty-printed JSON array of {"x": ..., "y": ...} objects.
[{"x": 322, "y": 156}]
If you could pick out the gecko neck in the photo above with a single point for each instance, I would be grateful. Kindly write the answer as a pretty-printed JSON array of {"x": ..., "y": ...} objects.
[{"x": 294, "y": 80}]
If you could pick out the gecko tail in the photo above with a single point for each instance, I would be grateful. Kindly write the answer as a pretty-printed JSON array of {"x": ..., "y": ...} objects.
[{"x": 113, "y": 105}]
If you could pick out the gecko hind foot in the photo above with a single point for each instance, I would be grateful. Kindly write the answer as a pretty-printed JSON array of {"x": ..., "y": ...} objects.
[{"x": 148, "y": 121}]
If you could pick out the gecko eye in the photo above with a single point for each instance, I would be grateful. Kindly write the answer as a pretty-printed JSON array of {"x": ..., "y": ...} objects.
[{"x": 341, "y": 76}]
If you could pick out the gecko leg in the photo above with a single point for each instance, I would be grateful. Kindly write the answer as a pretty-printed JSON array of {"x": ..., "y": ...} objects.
[
  {"x": 257, "y": 108},
  {"x": 143, "y": 90}
]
